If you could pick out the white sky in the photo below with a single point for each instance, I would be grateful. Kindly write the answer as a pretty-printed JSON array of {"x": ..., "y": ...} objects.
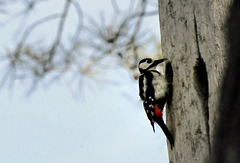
[{"x": 51, "y": 126}]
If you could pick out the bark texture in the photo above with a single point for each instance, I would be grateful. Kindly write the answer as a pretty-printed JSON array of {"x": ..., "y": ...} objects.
[
  {"x": 227, "y": 144},
  {"x": 193, "y": 37}
]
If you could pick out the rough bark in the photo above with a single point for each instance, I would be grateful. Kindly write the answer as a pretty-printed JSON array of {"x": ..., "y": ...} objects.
[
  {"x": 193, "y": 37},
  {"x": 227, "y": 143}
]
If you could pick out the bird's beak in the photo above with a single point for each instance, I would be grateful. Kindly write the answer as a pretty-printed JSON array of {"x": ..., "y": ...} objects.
[{"x": 156, "y": 62}]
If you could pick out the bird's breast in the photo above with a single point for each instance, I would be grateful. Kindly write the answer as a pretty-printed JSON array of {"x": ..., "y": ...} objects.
[{"x": 160, "y": 86}]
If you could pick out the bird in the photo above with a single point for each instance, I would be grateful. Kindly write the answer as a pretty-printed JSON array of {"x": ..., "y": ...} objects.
[{"x": 154, "y": 91}]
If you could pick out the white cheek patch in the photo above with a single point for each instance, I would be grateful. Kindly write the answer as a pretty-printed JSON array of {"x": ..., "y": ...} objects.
[
  {"x": 144, "y": 65},
  {"x": 161, "y": 68}
]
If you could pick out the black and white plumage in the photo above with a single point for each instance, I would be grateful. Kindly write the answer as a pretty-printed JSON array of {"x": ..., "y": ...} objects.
[{"x": 154, "y": 90}]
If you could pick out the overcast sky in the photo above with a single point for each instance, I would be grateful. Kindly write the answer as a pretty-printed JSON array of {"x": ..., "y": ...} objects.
[{"x": 108, "y": 125}]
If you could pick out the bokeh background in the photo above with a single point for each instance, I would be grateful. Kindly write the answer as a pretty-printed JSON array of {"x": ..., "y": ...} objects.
[{"x": 88, "y": 114}]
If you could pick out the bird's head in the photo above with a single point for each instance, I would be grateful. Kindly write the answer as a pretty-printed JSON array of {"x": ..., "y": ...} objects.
[{"x": 149, "y": 64}]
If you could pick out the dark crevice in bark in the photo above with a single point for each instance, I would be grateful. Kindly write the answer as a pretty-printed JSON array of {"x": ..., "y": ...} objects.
[
  {"x": 201, "y": 83},
  {"x": 196, "y": 34}
]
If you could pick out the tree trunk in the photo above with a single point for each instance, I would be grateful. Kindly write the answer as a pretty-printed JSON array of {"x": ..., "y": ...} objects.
[
  {"x": 193, "y": 37},
  {"x": 227, "y": 143}
]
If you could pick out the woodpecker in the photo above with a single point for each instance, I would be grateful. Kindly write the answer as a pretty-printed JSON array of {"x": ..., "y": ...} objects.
[{"x": 154, "y": 90}]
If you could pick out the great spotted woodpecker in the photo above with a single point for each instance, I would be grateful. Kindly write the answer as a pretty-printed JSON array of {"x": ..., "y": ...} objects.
[{"x": 154, "y": 90}]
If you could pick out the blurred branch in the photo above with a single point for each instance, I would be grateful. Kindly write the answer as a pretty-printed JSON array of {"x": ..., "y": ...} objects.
[
  {"x": 35, "y": 25},
  {"x": 121, "y": 37},
  {"x": 92, "y": 48},
  {"x": 59, "y": 33},
  {"x": 7, "y": 8},
  {"x": 80, "y": 22},
  {"x": 115, "y": 6}
]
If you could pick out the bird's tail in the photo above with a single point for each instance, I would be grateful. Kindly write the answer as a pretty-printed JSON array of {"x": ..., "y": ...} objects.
[{"x": 161, "y": 123}]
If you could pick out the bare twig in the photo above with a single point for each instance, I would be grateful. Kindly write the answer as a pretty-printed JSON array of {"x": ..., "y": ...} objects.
[{"x": 91, "y": 49}]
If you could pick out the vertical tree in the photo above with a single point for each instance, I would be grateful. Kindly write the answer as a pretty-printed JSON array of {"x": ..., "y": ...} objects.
[
  {"x": 227, "y": 143},
  {"x": 193, "y": 36}
]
